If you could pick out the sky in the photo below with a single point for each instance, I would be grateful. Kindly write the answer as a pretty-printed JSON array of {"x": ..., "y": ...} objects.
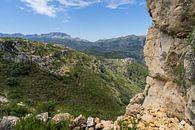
[{"x": 86, "y": 19}]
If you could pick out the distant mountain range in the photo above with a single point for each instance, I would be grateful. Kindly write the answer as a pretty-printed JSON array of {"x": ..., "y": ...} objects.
[{"x": 116, "y": 48}]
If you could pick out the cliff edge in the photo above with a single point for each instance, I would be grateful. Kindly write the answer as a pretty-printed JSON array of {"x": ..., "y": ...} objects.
[{"x": 170, "y": 56}]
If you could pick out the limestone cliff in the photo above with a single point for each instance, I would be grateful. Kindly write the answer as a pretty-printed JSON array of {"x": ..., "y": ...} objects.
[{"x": 170, "y": 56}]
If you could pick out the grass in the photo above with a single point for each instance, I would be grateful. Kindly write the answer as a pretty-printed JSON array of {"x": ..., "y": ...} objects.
[
  {"x": 31, "y": 123},
  {"x": 14, "y": 110},
  {"x": 180, "y": 73}
]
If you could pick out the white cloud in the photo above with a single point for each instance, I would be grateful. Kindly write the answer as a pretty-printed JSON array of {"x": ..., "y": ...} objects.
[
  {"x": 41, "y": 7},
  {"x": 52, "y": 7},
  {"x": 142, "y": 3},
  {"x": 114, "y": 4},
  {"x": 78, "y": 3}
]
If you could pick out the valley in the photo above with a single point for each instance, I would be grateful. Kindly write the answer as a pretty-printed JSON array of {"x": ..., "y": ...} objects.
[{"x": 53, "y": 78}]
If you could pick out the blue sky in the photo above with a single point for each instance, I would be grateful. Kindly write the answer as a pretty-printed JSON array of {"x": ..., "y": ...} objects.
[{"x": 87, "y": 19}]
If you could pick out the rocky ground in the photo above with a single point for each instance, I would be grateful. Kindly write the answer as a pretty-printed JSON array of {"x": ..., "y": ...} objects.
[
  {"x": 149, "y": 119},
  {"x": 136, "y": 118}
]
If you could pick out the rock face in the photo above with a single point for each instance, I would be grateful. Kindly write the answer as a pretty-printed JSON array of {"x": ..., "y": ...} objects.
[
  {"x": 173, "y": 16},
  {"x": 170, "y": 57}
]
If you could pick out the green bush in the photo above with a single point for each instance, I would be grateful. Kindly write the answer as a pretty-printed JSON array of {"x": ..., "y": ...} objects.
[
  {"x": 18, "y": 69},
  {"x": 31, "y": 123},
  {"x": 11, "y": 81},
  {"x": 137, "y": 73},
  {"x": 47, "y": 106},
  {"x": 125, "y": 98},
  {"x": 14, "y": 95},
  {"x": 124, "y": 125},
  {"x": 180, "y": 73},
  {"x": 14, "y": 110}
]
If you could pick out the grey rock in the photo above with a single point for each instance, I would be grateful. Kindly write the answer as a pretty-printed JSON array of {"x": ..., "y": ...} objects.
[
  {"x": 133, "y": 110},
  {"x": 61, "y": 117},
  {"x": 77, "y": 128},
  {"x": 3, "y": 100},
  {"x": 90, "y": 122},
  {"x": 99, "y": 126},
  {"x": 43, "y": 116},
  {"x": 80, "y": 120},
  {"x": 8, "y": 122},
  {"x": 138, "y": 99}
]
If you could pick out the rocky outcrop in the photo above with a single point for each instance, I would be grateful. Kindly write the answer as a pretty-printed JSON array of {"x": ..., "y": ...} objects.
[
  {"x": 61, "y": 117},
  {"x": 170, "y": 57},
  {"x": 43, "y": 116},
  {"x": 8, "y": 122},
  {"x": 3, "y": 99},
  {"x": 153, "y": 119},
  {"x": 173, "y": 17}
]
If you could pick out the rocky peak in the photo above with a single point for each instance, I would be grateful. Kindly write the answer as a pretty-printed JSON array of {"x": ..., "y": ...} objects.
[{"x": 56, "y": 35}]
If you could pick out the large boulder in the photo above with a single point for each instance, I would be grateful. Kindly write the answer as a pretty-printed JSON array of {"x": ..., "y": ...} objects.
[
  {"x": 8, "y": 122},
  {"x": 62, "y": 117}
]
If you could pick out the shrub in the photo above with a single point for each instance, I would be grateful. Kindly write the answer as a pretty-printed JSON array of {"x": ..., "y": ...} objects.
[
  {"x": 47, "y": 106},
  {"x": 18, "y": 69},
  {"x": 130, "y": 124},
  {"x": 14, "y": 110},
  {"x": 125, "y": 98},
  {"x": 11, "y": 81},
  {"x": 31, "y": 123},
  {"x": 180, "y": 72}
]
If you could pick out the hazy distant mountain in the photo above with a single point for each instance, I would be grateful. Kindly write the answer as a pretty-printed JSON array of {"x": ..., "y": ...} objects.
[
  {"x": 122, "y": 47},
  {"x": 54, "y": 37}
]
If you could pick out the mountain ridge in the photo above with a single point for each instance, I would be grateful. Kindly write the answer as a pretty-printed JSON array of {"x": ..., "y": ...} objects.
[
  {"x": 130, "y": 46},
  {"x": 62, "y": 34}
]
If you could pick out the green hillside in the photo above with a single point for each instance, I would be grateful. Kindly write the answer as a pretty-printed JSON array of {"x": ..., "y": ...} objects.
[{"x": 43, "y": 77}]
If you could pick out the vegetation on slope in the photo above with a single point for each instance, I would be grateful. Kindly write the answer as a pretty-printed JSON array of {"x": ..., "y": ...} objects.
[
  {"x": 32, "y": 123},
  {"x": 84, "y": 83},
  {"x": 118, "y": 48}
]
